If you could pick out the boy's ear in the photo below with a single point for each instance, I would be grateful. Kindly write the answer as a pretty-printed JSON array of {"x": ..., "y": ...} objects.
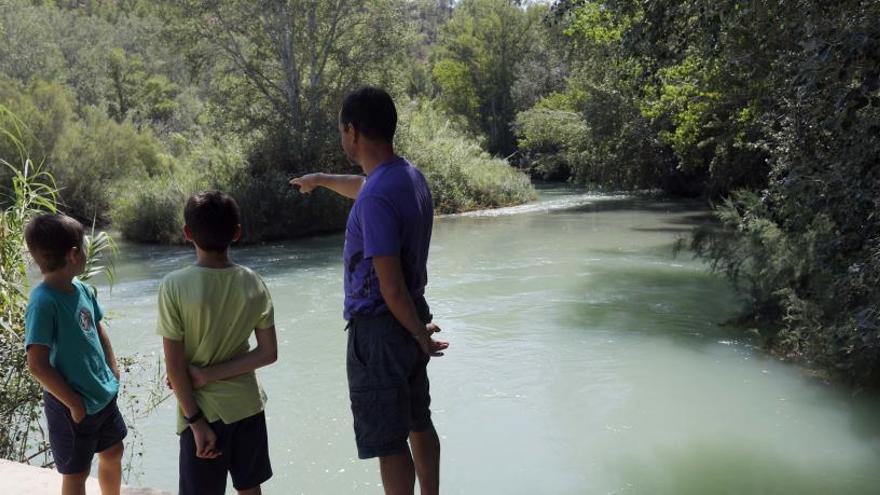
[
  {"x": 71, "y": 255},
  {"x": 237, "y": 235},
  {"x": 187, "y": 234}
]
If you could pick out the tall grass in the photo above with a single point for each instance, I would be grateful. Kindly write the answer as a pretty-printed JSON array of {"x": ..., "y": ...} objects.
[{"x": 462, "y": 175}]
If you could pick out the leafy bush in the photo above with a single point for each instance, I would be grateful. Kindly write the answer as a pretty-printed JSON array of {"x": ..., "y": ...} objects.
[
  {"x": 88, "y": 153},
  {"x": 593, "y": 135},
  {"x": 462, "y": 176},
  {"x": 151, "y": 212},
  {"x": 552, "y": 141},
  {"x": 808, "y": 246}
]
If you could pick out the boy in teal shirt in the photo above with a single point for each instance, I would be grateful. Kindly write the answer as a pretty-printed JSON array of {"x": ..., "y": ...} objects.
[
  {"x": 207, "y": 312},
  {"x": 69, "y": 353}
]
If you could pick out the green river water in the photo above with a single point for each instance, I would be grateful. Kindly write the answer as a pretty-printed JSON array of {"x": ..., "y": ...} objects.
[{"x": 584, "y": 359}]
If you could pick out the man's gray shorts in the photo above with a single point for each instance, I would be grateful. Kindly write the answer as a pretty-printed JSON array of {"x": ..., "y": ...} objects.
[{"x": 387, "y": 383}]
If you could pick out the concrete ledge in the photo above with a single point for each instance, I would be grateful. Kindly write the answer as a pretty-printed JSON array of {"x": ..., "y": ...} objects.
[{"x": 16, "y": 478}]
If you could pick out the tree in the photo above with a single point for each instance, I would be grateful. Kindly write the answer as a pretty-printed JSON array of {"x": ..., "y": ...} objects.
[
  {"x": 297, "y": 57},
  {"x": 476, "y": 61}
]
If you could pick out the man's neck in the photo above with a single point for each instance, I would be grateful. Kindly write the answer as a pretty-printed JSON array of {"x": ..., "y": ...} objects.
[
  {"x": 376, "y": 156},
  {"x": 212, "y": 259},
  {"x": 60, "y": 280}
]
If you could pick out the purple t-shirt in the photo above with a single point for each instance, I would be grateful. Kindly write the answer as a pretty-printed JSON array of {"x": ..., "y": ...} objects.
[{"x": 392, "y": 216}]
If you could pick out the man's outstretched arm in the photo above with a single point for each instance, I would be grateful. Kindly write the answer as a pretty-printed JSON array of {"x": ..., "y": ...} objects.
[{"x": 345, "y": 185}]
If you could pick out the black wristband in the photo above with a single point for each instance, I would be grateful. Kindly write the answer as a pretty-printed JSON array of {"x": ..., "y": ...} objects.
[{"x": 195, "y": 417}]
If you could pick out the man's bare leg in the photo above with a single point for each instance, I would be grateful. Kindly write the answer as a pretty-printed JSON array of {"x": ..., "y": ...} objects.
[
  {"x": 398, "y": 474},
  {"x": 426, "y": 456},
  {"x": 251, "y": 491}
]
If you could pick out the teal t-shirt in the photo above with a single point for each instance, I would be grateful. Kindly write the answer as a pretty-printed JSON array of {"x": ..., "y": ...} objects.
[{"x": 66, "y": 322}]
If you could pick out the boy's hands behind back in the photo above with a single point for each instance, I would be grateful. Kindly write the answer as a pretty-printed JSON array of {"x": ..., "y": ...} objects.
[
  {"x": 206, "y": 440},
  {"x": 197, "y": 376}
]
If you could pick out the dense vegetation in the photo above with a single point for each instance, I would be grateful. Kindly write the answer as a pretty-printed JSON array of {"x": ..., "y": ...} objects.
[
  {"x": 772, "y": 109},
  {"x": 133, "y": 105}
]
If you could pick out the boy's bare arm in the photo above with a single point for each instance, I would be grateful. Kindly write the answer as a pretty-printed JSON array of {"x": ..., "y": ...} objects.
[
  {"x": 109, "y": 356},
  {"x": 51, "y": 380},
  {"x": 345, "y": 185},
  {"x": 264, "y": 354},
  {"x": 175, "y": 365}
]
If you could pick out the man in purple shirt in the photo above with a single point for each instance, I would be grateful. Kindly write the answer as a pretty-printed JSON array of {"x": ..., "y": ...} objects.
[{"x": 390, "y": 331}]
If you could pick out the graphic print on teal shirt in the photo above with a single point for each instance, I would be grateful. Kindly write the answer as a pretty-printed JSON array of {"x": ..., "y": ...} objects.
[{"x": 66, "y": 322}]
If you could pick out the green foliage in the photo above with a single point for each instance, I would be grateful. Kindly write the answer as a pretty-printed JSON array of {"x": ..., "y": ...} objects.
[
  {"x": 553, "y": 141},
  {"x": 151, "y": 212},
  {"x": 87, "y": 152},
  {"x": 808, "y": 245},
  {"x": 476, "y": 65},
  {"x": 132, "y": 105},
  {"x": 20, "y": 395},
  {"x": 594, "y": 135},
  {"x": 773, "y": 107},
  {"x": 145, "y": 96},
  {"x": 462, "y": 176}
]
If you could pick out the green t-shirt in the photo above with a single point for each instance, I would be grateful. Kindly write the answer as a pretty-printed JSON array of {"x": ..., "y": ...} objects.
[{"x": 214, "y": 311}]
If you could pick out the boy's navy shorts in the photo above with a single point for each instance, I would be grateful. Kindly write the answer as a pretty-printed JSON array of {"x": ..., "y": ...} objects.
[
  {"x": 387, "y": 383},
  {"x": 244, "y": 448},
  {"x": 74, "y": 445}
]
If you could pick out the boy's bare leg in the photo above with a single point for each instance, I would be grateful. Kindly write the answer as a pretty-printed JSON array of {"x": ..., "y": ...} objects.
[
  {"x": 110, "y": 470},
  {"x": 426, "y": 456},
  {"x": 251, "y": 491},
  {"x": 398, "y": 474},
  {"x": 74, "y": 484}
]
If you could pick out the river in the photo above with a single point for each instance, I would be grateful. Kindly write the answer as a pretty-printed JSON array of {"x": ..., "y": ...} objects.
[{"x": 585, "y": 358}]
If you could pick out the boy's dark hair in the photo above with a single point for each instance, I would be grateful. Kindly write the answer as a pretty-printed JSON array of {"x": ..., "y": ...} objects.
[
  {"x": 212, "y": 217},
  {"x": 50, "y": 237},
  {"x": 371, "y": 111}
]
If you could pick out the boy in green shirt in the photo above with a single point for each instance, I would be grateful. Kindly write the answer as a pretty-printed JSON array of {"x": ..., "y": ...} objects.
[{"x": 207, "y": 312}]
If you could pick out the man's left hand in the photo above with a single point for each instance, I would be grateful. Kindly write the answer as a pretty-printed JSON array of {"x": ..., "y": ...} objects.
[{"x": 431, "y": 347}]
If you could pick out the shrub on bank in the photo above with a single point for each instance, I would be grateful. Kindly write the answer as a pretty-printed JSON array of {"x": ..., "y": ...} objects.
[{"x": 462, "y": 176}]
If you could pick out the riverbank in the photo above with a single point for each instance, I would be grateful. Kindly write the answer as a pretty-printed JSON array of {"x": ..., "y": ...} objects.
[{"x": 16, "y": 478}]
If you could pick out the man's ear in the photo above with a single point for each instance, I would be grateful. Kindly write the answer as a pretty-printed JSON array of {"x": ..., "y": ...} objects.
[
  {"x": 237, "y": 235},
  {"x": 187, "y": 234}
]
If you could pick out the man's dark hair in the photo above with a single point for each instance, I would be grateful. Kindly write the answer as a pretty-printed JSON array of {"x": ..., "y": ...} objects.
[
  {"x": 212, "y": 217},
  {"x": 371, "y": 111},
  {"x": 50, "y": 237}
]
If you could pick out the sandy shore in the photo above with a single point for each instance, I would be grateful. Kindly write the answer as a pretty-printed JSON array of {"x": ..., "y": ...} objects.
[{"x": 23, "y": 479}]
